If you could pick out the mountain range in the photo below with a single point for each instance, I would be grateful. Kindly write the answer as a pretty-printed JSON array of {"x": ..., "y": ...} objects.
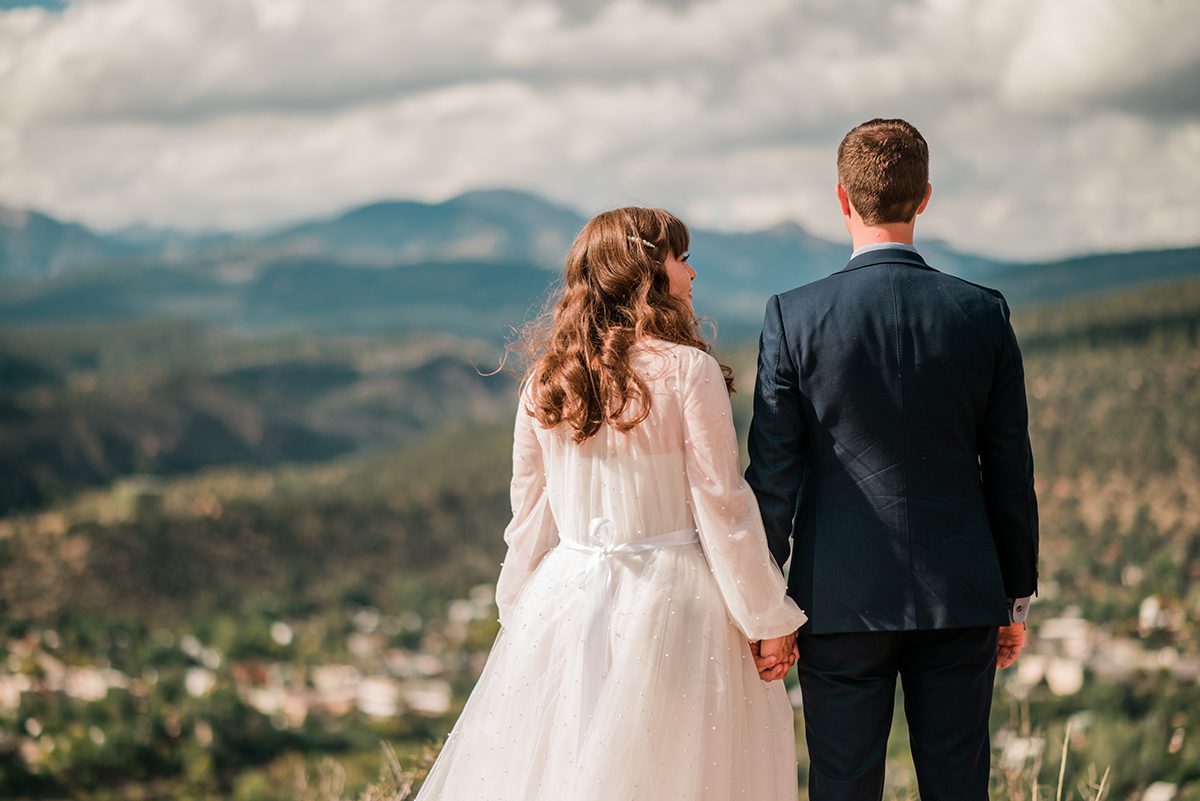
[{"x": 473, "y": 265}]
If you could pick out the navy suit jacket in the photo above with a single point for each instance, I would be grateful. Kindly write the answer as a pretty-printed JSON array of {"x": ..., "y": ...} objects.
[{"x": 889, "y": 449}]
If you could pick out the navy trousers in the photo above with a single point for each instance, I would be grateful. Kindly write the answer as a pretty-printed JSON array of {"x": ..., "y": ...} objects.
[{"x": 849, "y": 687}]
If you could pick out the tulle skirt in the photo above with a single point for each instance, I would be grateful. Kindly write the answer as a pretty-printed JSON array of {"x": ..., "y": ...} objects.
[{"x": 680, "y": 715}]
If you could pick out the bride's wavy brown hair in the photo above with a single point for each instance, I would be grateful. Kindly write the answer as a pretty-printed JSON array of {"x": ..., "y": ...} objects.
[{"x": 615, "y": 291}]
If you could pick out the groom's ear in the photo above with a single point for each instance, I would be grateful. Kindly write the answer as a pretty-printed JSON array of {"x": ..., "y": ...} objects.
[
  {"x": 925, "y": 201},
  {"x": 844, "y": 200}
]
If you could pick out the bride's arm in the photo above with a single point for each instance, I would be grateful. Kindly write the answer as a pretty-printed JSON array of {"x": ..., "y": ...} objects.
[
  {"x": 726, "y": 511},
  {"x": 532, "y": 531}
]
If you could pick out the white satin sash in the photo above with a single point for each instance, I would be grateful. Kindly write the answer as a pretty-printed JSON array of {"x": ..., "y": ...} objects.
[{"x": 598, "y": 578}]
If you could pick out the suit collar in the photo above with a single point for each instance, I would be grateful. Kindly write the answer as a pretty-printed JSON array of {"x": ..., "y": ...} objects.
[{"x": 886, "y": 256}]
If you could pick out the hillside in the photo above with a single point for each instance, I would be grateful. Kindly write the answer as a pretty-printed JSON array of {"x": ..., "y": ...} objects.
[
  {"x": 1068, "y": 278},
  {"x": 290, "y": 294},
  {"x": 86, "y": 406}
]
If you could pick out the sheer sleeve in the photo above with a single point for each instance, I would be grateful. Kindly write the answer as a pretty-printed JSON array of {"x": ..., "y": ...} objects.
[
  {"x": 532, "y": 532},
  {"x": 726, "y": 512}
]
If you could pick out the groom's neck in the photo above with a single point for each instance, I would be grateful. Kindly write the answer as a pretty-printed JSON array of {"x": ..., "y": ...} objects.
[{"x": 863, "y": 235}]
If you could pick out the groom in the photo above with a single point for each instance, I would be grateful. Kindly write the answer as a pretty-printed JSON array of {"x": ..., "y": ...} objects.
[{"x": 890, "y": 455}]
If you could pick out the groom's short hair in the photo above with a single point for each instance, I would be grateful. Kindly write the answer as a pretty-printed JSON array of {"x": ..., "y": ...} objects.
[{"x": 884, "y": 167}]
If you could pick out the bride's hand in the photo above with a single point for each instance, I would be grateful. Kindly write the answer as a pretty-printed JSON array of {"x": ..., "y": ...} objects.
[
  {"x": 776, "y": 656},
  {"x": 761, "y": 663}
]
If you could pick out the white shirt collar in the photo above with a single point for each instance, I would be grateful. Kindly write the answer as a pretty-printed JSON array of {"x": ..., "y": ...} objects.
[{"x": 882, "y": 246}]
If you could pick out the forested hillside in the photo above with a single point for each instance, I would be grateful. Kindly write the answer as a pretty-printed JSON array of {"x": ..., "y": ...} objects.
[{"x": 88, "y": 404}]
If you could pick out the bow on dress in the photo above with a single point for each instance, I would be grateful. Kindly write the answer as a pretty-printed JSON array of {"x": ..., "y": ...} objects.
[{"x": 599, "y": 578}]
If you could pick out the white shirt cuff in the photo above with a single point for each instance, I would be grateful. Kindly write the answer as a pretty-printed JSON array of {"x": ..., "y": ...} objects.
[{"x": 1018, "y": 609}]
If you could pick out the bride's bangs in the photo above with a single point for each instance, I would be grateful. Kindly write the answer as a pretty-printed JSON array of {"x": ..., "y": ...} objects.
[{"x": 678, "y": 237}]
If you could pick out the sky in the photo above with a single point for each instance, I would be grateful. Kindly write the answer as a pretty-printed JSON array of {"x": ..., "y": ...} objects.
[{"x": 1056, "y": 127}]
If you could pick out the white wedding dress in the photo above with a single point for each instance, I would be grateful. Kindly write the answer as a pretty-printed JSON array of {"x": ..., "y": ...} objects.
[{"x": 637, "y": 570}]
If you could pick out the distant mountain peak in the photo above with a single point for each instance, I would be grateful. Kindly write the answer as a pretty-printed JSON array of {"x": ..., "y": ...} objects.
[
  {"x": 790, "y": 228},
  {"x": 34, "y": 245},
  {"x": 498, "y": 193},
  {"x": 497, "y": 224},
  {"x": 509, "y": 201}
]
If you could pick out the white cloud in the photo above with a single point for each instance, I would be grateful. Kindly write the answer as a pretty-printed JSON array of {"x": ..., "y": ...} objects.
[
  {"x": 1055, "y": 126},
  {"x": 1076, "y": 53}
]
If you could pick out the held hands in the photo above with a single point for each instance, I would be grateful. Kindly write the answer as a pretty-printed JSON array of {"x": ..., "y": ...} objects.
[
  {"x": 774, "y": 658},
  {"x": 1009, "y": 644}
]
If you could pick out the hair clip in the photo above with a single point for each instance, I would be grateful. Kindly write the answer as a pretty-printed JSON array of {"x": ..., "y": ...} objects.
[{"x": 645, "y": 242}]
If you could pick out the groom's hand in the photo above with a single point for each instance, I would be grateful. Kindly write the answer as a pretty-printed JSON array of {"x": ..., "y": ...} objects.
[
  {"x": 781, "y": 670},
  {"x": 1009, "y": 644}
]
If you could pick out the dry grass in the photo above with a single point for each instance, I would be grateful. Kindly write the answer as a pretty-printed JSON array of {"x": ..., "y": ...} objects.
[
  {"x": 397, "y": 781},
  {"x": 1015, "y": 782}
]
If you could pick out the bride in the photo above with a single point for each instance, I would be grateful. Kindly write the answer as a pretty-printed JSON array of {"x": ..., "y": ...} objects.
[{"x": 637, "y": 568}]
